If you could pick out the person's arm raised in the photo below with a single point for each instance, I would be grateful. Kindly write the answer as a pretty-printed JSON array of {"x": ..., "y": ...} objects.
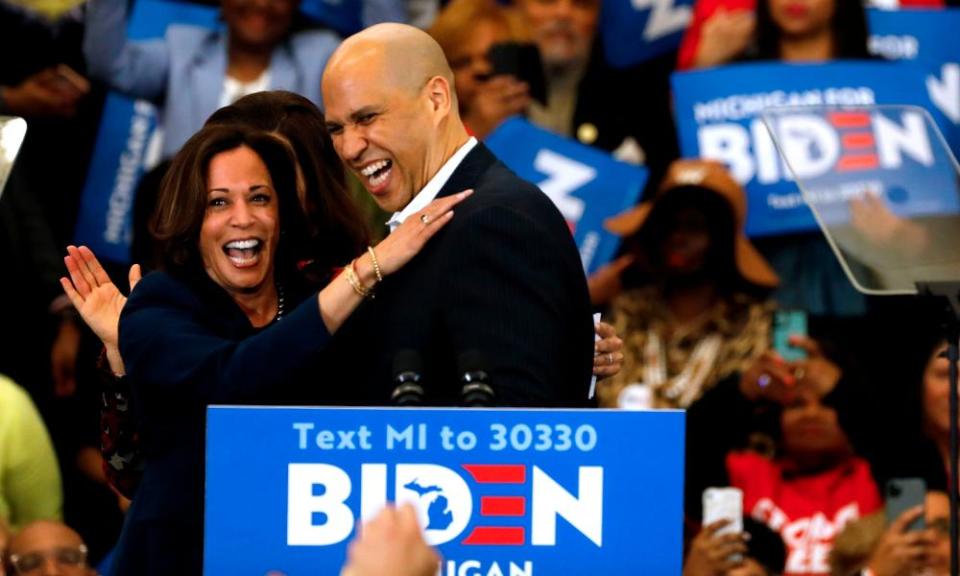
[{"x": 341, "y": 297}]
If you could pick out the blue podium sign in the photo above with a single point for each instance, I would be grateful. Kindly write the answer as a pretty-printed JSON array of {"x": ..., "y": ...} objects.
[
  {"x": 587, "y": 185},
  {"x": 499, "y": 492},
  {"x": 718, "y": 116}
]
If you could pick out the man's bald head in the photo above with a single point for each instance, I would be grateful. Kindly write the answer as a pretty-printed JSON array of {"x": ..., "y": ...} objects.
[
  {"x": 407, "y": 57},
  {"x": 391, "y": 110},
  {"x": 46, "y": 542}
]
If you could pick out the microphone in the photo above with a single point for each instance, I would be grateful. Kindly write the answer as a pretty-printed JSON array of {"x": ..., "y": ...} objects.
[
  {"x": 407, "y": 374},
  {"x": 475, "y": 389}
]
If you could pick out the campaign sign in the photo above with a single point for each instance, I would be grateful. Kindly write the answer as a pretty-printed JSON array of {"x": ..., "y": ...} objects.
[
  {"x": 888, "y": 152},
  {"x": 498, "y": 492},
  {"x": 344, "y": 16},
  {"x": 586, "y": 184},
  {"x": 637, "y": 30},
  {"x": 927, "y": 38},
  {"x": 718, "y": 116},
  {"x": 926, "y": 35},
  {"x": 125, "y": 140}
]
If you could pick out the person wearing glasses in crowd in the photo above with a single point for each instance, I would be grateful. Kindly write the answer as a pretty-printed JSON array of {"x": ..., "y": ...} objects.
[{"x": 47, "y": 548}]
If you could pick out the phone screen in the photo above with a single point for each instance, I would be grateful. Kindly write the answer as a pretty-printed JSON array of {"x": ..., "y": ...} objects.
[
  {"x": 787, "y": 323},
  {"x": 903, "y": 494},
  {"x": 724, "y": 504},
  {"x": 523, "y": 62}
]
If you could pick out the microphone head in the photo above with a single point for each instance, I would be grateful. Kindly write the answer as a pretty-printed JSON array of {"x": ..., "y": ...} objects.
[
  {"x": 407, "y": 366},
  {"x": 470, "y": 364},
  {"x": 475, "y": 387},
  {"x": 407, "y": 373}
]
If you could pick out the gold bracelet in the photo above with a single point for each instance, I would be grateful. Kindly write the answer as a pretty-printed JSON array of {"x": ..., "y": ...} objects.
[
  {"x": 355, "y": 283},
  {"x": 376, "y": 264}
]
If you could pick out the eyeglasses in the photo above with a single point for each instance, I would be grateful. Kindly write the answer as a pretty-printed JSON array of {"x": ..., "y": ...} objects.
[{"x": 33, "y": 561}]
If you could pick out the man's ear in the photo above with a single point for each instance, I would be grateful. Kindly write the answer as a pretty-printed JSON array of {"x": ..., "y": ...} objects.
[{"x": 440, "y": 97}]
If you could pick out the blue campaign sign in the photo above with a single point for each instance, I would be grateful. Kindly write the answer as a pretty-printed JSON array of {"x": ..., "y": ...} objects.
[
  {"x": 126, "y": 130},
  {"x": 718, "y": 116},
  {"x": 344, "y": 16},
  {"x": 586, "y": 184},
  {"x": 499, "y": 492},
  {"x": 637, "y": 30},
  {"x": 926, "y": 38},
  {"x": 887, "y": 152},
  {"x": 925, "y": 35},
  {"x": 350, "y": 16}
]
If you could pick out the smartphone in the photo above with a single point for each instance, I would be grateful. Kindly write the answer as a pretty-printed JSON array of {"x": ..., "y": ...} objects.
[
  {"x": 13, "y": 130},
  {"x": 902, "y": 494},
  {"x": 724, "y": 504},
  {"x": 523, "y": 62},
  {"x": 787, "y": 323}
]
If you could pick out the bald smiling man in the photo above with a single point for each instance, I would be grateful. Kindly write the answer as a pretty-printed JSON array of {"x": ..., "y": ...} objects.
[{"x": 502, "y": 282}]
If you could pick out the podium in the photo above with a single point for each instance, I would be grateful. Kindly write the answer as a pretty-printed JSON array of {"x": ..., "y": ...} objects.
[{"x": 498, "y": 491}]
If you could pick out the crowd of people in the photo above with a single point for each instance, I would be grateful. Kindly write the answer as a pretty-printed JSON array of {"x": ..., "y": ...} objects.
[{"x": 321, "y": 201}]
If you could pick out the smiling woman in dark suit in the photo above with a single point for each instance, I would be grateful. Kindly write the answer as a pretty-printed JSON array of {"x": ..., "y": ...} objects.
[{"x": 229, "y": 320}]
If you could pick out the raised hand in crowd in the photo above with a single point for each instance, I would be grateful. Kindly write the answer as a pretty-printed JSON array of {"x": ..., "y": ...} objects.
[
  {"x": 54, "y": 91},
  {"x": 901, "y": 552},
  {"x": 605, "y": 283},
  {"x": 726, "y": 34},
  {"x": 816, "y": 370},
  {"x": 97, "y": 298},
  {"x": 494, "y": 101},
  {"x": 872, "y": 217},
  {"x": 607, "y": 355},
  {"x": 713, "y": 554},
  {"x": 391, "y": 543},
  {"x": 772, "y": 378}
]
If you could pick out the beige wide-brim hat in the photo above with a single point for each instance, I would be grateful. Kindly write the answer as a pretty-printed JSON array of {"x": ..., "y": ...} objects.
[{"x": 713, "y": 176}]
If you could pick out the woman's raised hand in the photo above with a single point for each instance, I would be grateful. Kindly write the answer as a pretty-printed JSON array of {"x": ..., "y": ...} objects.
[
  {"x": 409, "y": 238},
  {"x": 93, "y": 294}
]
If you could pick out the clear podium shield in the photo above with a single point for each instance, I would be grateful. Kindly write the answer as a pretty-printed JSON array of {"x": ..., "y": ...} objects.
[
  {"x": 883, "y": 186},
  {"x": 12, "y": 131}
]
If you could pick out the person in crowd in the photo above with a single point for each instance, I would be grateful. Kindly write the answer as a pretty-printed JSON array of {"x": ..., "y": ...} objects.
[
  {"x": 936, "y": 401},
  {"x": 466, "y": 30},
  {"x": 38, "y": 209},
  {"x": 623, "y": 111},
  {"x": 193, "y": 71},
  {"x": 230, "y": 315},
  {"x": 757, "y": 551},
  {"x": 503, "y": 284},
  {"x": 391, "y": 543},
  {"x": 871, "y": 546},
  {"x": 4, "y": 540},
  {"x": 690, "y": 295},
  {"x": 586, "y": 98},
  {"x": 53, "y": 91},
  {"x": 814, "y": 486},
  {"x": 807, "y": 32},
  {"x": 48, "y": 548},
  {"x": 724, "y": 31},
  {"x": 30, "y": 486}
]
